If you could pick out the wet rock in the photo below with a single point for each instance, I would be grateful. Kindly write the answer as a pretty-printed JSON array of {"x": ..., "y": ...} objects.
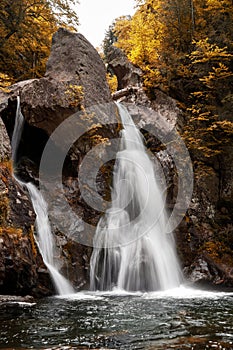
[
  {"x": 16, "y": 299},
  {"x": 200, "y": 271},
  {"x": 5, "y": 147},
  {"x": 78, "y": 258},
  {"x": 19, "y": 265},
  {"x": 206, "y": 271}
]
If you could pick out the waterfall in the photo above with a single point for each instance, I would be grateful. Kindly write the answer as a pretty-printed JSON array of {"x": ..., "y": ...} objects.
[
  {"x": 46, "y": 242},
  {"x": 132, "y": 249},
  {"x": 44, "y": 239},
  {"x": 17, "y": 132}
]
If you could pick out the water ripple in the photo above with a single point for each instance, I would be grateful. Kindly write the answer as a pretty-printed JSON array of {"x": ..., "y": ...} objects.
[{"x": 113, "y": 321}]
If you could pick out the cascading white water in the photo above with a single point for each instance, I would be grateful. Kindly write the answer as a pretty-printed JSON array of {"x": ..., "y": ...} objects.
[
  {"x": 132, "y": 250},
  {"x": 45, "y": 239},
  {"x": 46, "y": 242},
  {"x": 17, "y": 132}
]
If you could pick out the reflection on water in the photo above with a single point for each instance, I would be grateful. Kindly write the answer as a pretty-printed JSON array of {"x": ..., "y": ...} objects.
[{"x": 177, "y": 320}]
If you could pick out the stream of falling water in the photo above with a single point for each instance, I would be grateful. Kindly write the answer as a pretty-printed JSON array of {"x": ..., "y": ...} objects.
[
  {"x": 45, "y": 238},
  {"x": 132, "y": 250}
]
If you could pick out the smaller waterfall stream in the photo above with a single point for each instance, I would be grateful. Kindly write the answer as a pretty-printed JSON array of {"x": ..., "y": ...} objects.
[
  {"x": 45, "y": 240},
  {"x": 132, "y": 250}
]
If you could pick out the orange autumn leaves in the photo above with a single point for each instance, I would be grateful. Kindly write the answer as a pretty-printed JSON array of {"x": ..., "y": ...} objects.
[
  {"x": 186, "y": 43},
  {"x": 26, "y": 28}
]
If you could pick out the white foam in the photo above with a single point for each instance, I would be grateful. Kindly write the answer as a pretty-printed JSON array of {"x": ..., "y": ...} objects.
[
  {"x": 80, "y": 296},
  {"x": 184, "y": 292}
]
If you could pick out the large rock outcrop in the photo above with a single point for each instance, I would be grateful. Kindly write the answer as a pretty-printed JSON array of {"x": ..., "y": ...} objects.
[{"x": 75, "y": 80}]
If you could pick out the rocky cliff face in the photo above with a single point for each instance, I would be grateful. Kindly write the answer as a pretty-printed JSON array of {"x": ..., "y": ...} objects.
[
  {"x": 204, "y": 237},
  {"x": 74, "y": 89},
  {"x": 74, "y": 81},
  {"x": 21, "y": 268}
]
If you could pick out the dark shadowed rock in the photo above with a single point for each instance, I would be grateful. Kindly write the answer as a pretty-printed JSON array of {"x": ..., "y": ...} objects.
[
  {"x": 21, "y": 268},
  {"x": 5, "y": 147},
  {"x": 127, "y": 74},
  {"x": 75, "y": 80}
]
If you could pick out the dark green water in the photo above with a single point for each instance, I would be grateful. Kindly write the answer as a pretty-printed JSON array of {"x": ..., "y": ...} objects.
[{"x": 180, "y": 320}]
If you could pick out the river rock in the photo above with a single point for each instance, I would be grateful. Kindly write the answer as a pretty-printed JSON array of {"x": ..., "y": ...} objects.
[
  {"x": 200, "y": 271},
  {"x": 16, "y": 299}
]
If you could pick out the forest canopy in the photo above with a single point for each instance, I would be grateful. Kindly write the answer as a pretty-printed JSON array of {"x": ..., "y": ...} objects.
[
  {"x": 185, "y": 48},
  {"x": 26, "y": 28}
]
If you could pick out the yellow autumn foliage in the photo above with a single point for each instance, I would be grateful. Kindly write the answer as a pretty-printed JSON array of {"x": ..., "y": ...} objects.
[{"x": 26, "y": 29}]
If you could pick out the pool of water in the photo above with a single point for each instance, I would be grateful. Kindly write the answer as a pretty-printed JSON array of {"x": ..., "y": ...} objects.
[{"x": 179, "y": 319}]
